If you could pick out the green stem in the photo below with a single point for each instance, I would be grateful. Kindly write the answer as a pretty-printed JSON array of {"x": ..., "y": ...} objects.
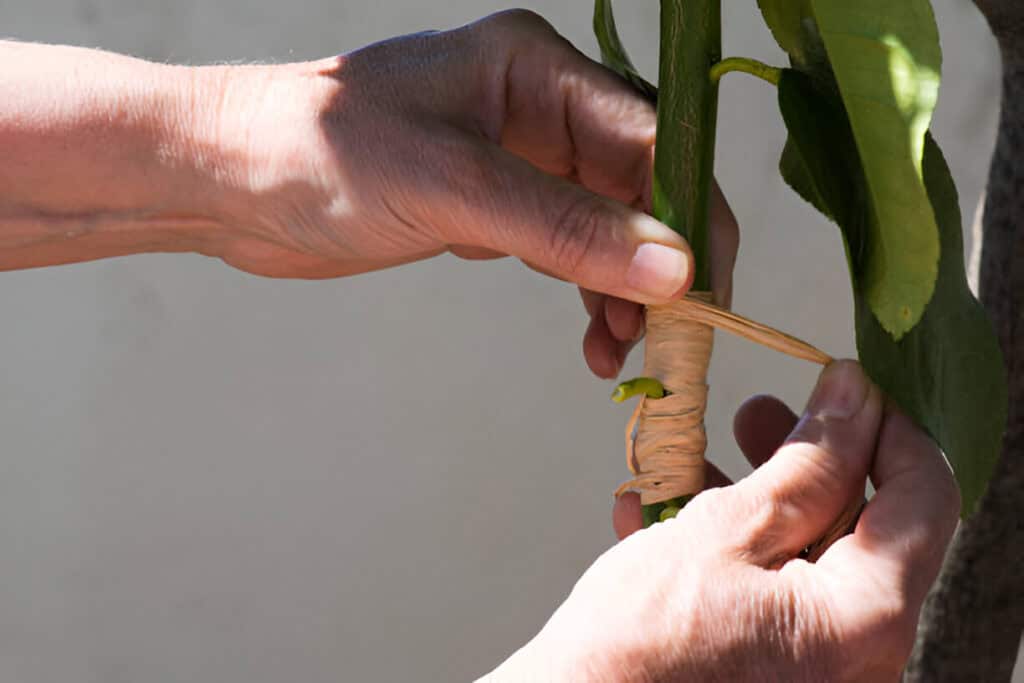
[
  {"x": 691, "y": 44},
  {"x": 746, "y": 65}
]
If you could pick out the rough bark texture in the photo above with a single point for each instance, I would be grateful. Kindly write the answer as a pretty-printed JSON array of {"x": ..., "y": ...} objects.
[{"x": 971, "y": 625}]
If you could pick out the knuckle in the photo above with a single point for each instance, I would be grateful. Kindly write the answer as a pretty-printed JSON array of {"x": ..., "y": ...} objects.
[
  {"x": 820, "y": 466},
  {"x": 708, "y": 503},
  {"x": 730, "y": 516},
  {"x": 519, "y": 19},
  {"x": 574, "y": 233},
  {"x": 759, "y": 519},
  {"x": 762, "y": 522},
  {"x": 522, "y": 31}
]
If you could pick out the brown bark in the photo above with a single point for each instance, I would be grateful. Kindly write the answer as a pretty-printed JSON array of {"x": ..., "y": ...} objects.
[{"x": 971, "y": 625}]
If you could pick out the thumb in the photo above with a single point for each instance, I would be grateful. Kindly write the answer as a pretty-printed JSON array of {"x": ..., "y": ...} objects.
[
  {"x": 566, "y": 231},
  {"x": 820, "y": 469}
]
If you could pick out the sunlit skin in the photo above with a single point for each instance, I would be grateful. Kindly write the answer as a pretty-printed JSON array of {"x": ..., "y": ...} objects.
[
  {"x": 501, "y": 139},
  {"x": 720, "y": 592}
]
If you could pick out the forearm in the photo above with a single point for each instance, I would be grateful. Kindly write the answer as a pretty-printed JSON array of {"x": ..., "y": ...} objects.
[{"x": 104, "y": 155}]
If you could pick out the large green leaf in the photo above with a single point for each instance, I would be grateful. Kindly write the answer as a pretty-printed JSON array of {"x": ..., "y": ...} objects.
[
  {"x": 613, "y": 53},
  {"x": 886, "y": 59},
  {"x": 947, "y": 372},
  {"x": 883, "y": 58}
]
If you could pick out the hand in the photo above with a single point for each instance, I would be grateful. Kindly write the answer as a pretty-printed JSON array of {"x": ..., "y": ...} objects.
[
  {"x": 617, "y": 324},
  {"x": 718, "y": 593},
  {"x": 493, "y": 139},
  {"x": 496, "y": 138}
]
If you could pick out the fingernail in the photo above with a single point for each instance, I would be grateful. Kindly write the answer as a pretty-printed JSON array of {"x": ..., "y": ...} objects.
[
  {"x": 841, "y": 391},
  {"x": 657, "y": 271}
]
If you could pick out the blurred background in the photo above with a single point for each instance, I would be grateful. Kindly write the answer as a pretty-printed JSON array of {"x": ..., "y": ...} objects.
[{"x": 194, "y": 460}]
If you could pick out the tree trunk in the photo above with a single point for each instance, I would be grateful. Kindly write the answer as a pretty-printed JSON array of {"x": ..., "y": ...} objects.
[{"x": 971, "y": 625}]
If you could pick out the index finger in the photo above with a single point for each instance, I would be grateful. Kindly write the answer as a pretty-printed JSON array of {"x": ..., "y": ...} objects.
[
  {"x": 904, "y": 530},
  {"x": 569, "y": 116}
]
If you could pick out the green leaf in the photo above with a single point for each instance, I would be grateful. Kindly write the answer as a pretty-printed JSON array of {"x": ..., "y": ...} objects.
[
  {"x": 798, "y": 176},
  {"x": 821, "y": 163},
  {"x": 886, "y": 60},
  {"x": 947, "y": 373},
  {"x": 613, "y": 53},
  {"x": 792, "y": 25},
  {"x": 883, "y": 58}
]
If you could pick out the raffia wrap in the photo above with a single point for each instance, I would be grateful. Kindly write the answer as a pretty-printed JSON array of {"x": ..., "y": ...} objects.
[{"x": 665, "y": 439}]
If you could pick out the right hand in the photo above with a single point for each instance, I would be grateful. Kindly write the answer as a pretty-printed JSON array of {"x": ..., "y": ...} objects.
[{"x": 720, "y": 594}]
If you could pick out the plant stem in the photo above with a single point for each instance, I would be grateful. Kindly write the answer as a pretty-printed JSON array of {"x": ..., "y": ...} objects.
[
  {"x": 691, "y": 43},
  {"x": 746, "y": 65}
]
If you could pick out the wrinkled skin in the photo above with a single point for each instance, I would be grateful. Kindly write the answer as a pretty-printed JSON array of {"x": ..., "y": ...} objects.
[
  {"x": 499, "y": 138},
  {"x": 495, "y": 139},
  {"x": 720, "y": 594}
]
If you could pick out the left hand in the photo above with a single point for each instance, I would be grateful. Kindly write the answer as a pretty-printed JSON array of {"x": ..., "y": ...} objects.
[
  {"x": 495, "y": 139},
  {"x": 498, "y": 138},
  {"x": 616, "y": 324}
]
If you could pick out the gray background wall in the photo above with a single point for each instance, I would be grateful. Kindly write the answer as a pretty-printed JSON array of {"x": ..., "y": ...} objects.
[{"x": 191, "y": 457}]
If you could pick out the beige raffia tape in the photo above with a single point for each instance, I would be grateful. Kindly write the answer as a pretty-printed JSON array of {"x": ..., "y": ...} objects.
[
  {"x": 709, "y": 314},
  {"x": 665, "y": 438}
]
